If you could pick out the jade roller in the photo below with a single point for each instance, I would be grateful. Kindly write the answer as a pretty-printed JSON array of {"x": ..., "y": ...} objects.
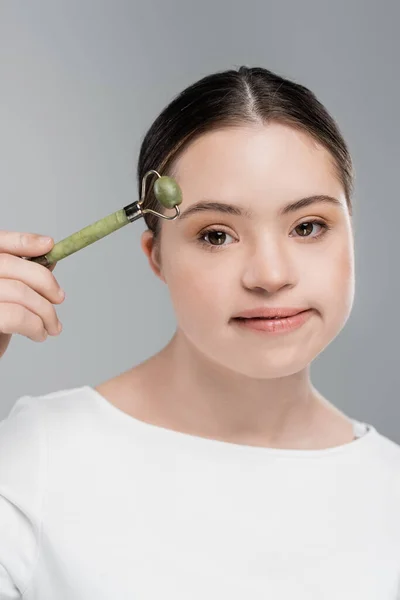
[{"x": 166, "y": 191}]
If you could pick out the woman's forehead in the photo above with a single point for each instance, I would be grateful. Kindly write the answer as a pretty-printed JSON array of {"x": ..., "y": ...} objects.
[
  {"x": 254, "y": 164},
  {"x": 260, "y": 153}
]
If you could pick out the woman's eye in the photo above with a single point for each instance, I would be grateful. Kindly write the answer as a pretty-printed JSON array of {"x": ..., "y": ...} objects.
[
  {"x": 306, "y": 228},
  {"x": 215, "y": 237}
]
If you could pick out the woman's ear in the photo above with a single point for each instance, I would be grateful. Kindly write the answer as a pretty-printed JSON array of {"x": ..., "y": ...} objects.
[{"x": 151, "y": 248}]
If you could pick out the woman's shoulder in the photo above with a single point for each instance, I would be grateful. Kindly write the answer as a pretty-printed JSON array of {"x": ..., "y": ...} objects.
[
  {"x": 45, "y": 430},
  {"x": 387, "y": 449},
  {"x": 37, "y": 405},
  {"x": 33, "y": 418},
  {"x": 381, "y": 459},
  {"x": 72, "y": 405}
]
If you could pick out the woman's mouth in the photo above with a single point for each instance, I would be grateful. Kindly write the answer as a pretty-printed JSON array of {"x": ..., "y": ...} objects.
[{"x": 274, "y": 324}]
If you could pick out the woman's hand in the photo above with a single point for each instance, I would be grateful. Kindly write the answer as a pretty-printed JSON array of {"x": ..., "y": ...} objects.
[{"x": 27, "y": 290}]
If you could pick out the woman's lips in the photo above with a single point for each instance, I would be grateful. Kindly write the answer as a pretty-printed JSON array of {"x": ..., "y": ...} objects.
[{"x": 281, "y": 325}]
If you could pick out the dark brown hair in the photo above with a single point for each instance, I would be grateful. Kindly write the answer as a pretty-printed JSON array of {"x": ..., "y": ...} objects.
[{"x": 232, "y": 98}]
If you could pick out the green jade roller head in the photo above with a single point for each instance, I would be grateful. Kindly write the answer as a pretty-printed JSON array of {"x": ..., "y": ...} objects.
[{"x": 166, "y": 191}]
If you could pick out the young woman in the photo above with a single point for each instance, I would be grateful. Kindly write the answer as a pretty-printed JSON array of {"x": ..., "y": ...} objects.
[{"x": 214, "y": 469}]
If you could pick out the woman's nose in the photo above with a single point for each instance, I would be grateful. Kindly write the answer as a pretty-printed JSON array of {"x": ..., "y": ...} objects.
[{"x": 269, "y": 267}]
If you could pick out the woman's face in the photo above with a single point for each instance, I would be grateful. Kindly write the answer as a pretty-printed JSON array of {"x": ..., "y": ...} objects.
[{"x": 266, "y": 259}]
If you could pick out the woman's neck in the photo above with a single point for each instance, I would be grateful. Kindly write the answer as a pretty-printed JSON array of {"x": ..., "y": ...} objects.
[{"x": 183, "y": 390}]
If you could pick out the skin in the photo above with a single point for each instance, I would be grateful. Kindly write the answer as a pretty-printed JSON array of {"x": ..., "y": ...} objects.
[{"x": 224, "y": 382}]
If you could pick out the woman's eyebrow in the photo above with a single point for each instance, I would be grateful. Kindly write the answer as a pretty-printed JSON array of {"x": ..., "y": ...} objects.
[{"x": 233, "y": 209}]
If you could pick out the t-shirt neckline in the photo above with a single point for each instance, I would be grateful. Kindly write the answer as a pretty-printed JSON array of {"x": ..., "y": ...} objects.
[{"x": 175, "y": 436}]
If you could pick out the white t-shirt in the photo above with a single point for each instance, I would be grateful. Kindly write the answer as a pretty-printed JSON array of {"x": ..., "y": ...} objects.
[{"x": 98, "y": 505}]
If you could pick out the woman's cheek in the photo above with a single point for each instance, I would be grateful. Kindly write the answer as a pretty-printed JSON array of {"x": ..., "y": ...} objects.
[
  {"x": 337, "y": 284},
  {"x": 198, "y": 292}
]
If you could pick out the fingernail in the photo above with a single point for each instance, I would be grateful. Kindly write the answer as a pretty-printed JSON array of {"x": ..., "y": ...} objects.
[
  {"x": 59, "y": 328},
  {"x": 61, "y": 294},
  {"x": 44, "y": 240}
]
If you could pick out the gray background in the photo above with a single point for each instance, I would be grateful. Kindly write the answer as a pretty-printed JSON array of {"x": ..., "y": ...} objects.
[{"x": 81, "y": 81}]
